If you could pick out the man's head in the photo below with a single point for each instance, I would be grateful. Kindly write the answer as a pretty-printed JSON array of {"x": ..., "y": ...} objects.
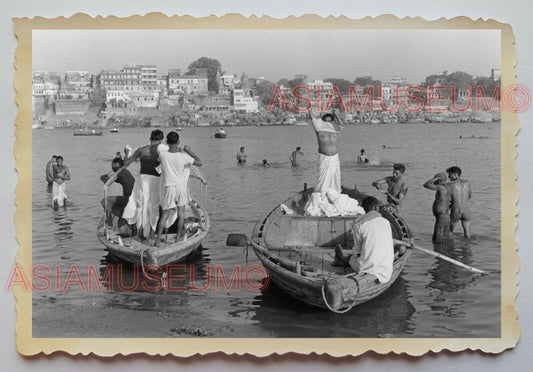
[
  {"x": 54, "y": 157},
  {"x": 242, "y": 149},
  {"x": 397, "y": 170},
  {"x": 265, "y": 162},
  {"x": 441, "y": 178},
  {"x": 298, "y": 148},
  {"x": 117, "y": 163},
  {"x": 118, "y": 154},
  {"x": 370, "y": 203},
  {"x": 173, "y": 138},
  {"x": 453, "y": 173},
  {"x": 328, "y": 117},
  {"x": 59, "y": 160},
  {"x": 157, "y": 135},
  {"x": 362, "y": 151}
]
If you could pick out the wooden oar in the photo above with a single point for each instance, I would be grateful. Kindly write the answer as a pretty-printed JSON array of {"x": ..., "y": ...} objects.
[{"x": 445, "y": 258}]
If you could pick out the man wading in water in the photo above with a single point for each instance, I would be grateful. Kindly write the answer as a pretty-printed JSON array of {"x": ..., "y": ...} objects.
[
  {"x": 441, "y": 207},
  {"x": 461, "y": 194}
]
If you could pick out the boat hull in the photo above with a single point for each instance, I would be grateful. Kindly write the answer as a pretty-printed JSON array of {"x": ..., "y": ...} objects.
[
  {"x": 142, "y": 253},
  {"x": 221, "y": 135},
  {"x": 327, "y": 286}
]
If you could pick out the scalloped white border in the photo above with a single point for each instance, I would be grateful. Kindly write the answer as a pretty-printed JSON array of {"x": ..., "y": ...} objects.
[{"x": 27, "y": 345}]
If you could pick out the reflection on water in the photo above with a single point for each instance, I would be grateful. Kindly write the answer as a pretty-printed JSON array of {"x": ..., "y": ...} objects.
[
  {"x": 419, "y": 304},
  {"x": 388, "y": 315}
]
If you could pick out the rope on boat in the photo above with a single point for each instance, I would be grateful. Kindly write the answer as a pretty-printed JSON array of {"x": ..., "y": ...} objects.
[
  {"x": 142, "y": 264},
  {"x": 340, "y": 311}
]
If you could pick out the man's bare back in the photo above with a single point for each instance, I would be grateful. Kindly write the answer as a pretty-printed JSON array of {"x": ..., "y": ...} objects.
[{"x": 460, "y": 195}]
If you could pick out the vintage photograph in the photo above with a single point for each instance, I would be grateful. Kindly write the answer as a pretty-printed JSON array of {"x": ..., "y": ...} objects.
[{"x": 267, "y": 183}]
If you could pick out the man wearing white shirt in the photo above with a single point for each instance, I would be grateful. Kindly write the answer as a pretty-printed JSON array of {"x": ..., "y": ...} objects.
[
  {"x": 175, "y": 170},
  {"x": 373, "y": 243}
]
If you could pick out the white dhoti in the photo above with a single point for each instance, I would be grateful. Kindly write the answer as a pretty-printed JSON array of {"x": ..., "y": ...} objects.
[
  {"x": 143, "y": 206},
  {"x": 329, "y": 173},
  {"x": 59, "y": 192}
]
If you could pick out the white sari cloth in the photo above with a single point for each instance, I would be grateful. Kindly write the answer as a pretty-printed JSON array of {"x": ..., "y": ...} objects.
[
  {"x": 143, "y": 206},
  {"x": 59, "y": 192},
  {"x": 372, "y": 235},
  {"x": 329, "y": 173}
]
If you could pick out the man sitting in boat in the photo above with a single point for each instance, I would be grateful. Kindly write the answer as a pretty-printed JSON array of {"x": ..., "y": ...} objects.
[
  {"x": 373, "y": 244},
  {"x": 115, "y": 204},
  {"x": 326, "y": 128},
  {"x": 175, "y": 170},
  {"x": 143, "y": 208}
]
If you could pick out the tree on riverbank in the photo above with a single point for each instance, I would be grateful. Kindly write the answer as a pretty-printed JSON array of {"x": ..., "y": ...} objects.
[{"x": 213, "y": 67}]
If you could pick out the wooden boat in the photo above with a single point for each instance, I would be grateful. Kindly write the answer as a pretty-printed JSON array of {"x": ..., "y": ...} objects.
[
  {"x": 114, "y": 130},
  {"x": 87, "y": 132},
  {"x": 298, "y": 251},
  {"x": 128, "y": 248},
  {"x": 221, "y": 134}
]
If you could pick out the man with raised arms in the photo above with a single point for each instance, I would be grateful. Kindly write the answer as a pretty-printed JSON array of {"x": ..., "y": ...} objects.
[
  {"x": 175, "y": 170},
  {"x": 143, "y": 207},
  {"x": 327, "y": 128},
  {"x": 441, "y": 207},
  {"x": 461, "y": 194}
]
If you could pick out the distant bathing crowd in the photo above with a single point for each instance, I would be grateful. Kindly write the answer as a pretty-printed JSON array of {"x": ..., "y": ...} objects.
[{"x": 158, "y": 197}]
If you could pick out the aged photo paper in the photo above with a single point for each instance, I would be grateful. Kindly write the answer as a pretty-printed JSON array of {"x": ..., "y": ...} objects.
[{"x": 257, "y": 185}]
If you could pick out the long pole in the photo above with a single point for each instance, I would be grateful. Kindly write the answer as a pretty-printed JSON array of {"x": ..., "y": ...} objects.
[{"x": 441, "y": 256}]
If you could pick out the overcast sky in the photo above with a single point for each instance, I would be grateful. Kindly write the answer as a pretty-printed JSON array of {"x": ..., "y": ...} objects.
[{"x": 275, "y": 54}]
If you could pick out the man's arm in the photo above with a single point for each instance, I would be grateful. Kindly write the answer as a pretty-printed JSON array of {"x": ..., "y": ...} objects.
[
  {"x": 66, "y": 176},
  {"x": 431, "y": 184},
  {"x": 197, "y": 160},
  {"x": 380, "y": 182},
  {"x": 132, "y": 158},
  {"x": 400, "y": 196}
]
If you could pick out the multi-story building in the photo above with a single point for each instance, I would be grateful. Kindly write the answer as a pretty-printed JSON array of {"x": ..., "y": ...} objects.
[
  {"x": 243, "y": 103},
  {"x": 227, "y": 83}
]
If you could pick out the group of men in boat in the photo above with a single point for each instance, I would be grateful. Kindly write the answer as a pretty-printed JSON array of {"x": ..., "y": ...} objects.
[
  {"x": 373, "y": 243},
  {"x": 57, "y": 174},
  {"x": 160, "y": 194}
]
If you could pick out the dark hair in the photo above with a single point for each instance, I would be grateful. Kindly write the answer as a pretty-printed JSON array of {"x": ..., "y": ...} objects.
[
  {"x": 54, "y": 156},
  {"x": 369, "y": 203},
  {"x": 173, "y": 138},
  {"x": 298, "y": 148},
  {"x": 399, "y": 166},
  {"x": 242, "y": 148},
  {"x": 330, "y": 115},
  {"x": 118, "y": 161},
  {"x": 362, "y": 150},
  {"x": 454, "y": 169},
  {"x": 59, "y": 157},
  {"x": 157, "y": 135}
]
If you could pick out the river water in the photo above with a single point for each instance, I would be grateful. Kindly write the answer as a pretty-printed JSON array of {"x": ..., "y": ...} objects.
[{"x": 432, "y": 298}]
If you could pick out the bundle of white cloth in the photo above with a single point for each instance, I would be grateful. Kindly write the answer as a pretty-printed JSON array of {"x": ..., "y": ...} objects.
[{"x": 332, "y": 203}]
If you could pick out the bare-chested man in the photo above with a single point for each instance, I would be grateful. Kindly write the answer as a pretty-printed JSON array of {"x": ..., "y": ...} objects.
[
  {"x": 461, "y": 194},
  {"x": 441, "y": 207},
  {"x": 396, "y": 187},
  {"x": 295, "y": 160},
  {"x": 59, "y": 188},
  {"x": 326, "y": 128}
]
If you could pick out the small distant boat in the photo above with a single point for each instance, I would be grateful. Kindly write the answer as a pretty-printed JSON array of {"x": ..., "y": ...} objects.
[
  {"x": 114, "y": 130},
  {"x": 179, "y": 129},
  {"x": 49, "y": 127},
  {"x": 220, "y": 133},
  {"x": 87, "y": 132}
]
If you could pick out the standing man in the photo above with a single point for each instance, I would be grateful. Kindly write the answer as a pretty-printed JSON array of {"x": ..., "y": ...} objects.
[
  {"x": 373, "y": 245},
  {"x": 49, "y": 171},
  {"x": 295, "y": 161},
  {"x": 116, "y": 204},
  {"x": 175, "y": 170},
  {"x": 241, "y": 156},
  {"x": 461, "y": 194},
  {"x": 59, "y": 187},
  {"x": 396, "y": 187},
  {"x": 441, "y": 207},
  {"x": 143, "y": 207},
  {"x": 326, "y": 128}
]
